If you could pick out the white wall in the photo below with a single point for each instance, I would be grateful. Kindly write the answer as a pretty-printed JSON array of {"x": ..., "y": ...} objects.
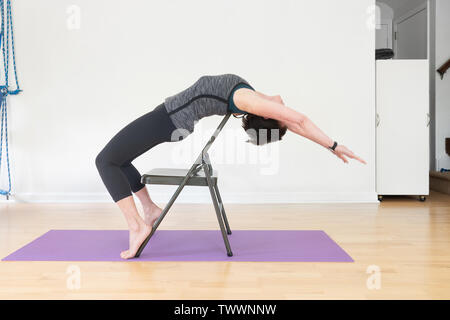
[
  {"x": 82, "y": 86},
  {"x": 442, "y": 87},
  {"x": 386, "y": 12}
]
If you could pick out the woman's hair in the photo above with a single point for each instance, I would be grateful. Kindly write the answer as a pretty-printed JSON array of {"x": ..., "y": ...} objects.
[{"x": 262, "y": 131}]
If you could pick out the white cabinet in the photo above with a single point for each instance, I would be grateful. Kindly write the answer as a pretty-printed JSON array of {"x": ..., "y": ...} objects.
[{"x": 402, "y": 128}]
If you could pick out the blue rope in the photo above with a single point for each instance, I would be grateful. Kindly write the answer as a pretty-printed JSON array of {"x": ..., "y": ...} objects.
[{"x": 6, "y": 37}]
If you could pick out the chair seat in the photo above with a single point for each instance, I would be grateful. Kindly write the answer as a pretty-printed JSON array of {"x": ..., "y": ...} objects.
[{"x": 174, "y": 176}]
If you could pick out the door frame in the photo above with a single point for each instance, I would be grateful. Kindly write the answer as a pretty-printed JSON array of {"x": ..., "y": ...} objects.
[
  {"x": 387, "y": 22},
  {"x": 409, "y": 14}
]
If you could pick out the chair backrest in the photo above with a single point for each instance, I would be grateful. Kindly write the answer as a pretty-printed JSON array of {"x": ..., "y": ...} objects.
[{"x": 213, "y": 138}]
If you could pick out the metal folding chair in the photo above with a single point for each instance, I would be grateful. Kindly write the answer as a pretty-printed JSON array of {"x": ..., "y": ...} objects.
[{"x": 200, "y": 174}]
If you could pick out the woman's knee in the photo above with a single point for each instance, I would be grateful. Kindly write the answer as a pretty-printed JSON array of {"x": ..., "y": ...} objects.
[
  {"x": 108, "y": 157},
  {"x": 101, "y": 160}
]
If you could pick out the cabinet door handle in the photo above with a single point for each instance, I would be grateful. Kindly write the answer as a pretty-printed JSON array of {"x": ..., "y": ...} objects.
[
  {"x": 428, "y": 119},
  {"x": 377, "y": 120}
]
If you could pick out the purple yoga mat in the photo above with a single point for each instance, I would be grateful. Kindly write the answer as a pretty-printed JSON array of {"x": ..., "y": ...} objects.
[{"x": 184, "y": 245}]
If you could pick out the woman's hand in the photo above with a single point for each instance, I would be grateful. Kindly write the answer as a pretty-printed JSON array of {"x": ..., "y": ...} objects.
[{"x": 342, "y": 152}]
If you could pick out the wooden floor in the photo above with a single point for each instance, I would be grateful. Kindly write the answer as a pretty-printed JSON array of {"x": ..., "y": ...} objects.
[{"x": 408, "y": 240}]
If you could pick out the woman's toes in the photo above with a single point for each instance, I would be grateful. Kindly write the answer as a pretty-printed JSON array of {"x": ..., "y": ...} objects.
[
  {"x": 136, "y": 240},
  {"x": 124, "y": 254}
]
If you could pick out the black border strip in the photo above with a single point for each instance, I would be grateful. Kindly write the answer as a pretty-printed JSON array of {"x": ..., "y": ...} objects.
[{"x": 167, "y": 309}]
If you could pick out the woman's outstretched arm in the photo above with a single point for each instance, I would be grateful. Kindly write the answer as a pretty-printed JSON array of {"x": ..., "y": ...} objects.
[{"x": 273, "y": 107}]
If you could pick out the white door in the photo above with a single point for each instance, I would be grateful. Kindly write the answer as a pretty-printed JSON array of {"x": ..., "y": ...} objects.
[
  {"x": 402, "y": 129},
  {"x": 383, "y": 35},
  {"x": 411, "y": 40}
]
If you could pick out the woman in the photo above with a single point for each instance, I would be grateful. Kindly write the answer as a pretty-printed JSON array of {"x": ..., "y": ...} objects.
[{"x": 175, "y": 118}]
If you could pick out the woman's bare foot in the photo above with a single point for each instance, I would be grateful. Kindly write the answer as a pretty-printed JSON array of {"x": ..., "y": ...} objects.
[
  {"x": 137, "y": 237},
  {"x": 151, "y": 214}
]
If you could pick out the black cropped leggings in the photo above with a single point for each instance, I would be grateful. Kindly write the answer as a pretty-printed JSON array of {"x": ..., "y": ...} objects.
[{"x": 114, "y": 161}]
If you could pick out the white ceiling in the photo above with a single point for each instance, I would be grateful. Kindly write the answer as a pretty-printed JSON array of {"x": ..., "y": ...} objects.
[{"x": 402, "y": 4}]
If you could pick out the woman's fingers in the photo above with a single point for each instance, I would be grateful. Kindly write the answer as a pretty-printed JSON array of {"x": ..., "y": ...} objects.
[
  {"x": 342, "y": 157},
  {"x": 360, "y": 160},
  {"x": 338, "y": 154},
  {"x": 344, "y": 151},
  {"x": 353, "y": 156}
]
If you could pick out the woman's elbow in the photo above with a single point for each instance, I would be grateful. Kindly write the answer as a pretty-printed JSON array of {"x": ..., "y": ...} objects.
[
  {"x": 303, "y": 121},
  {"x": 278, "y": 99},
  {"x": 300, "y": 126}
]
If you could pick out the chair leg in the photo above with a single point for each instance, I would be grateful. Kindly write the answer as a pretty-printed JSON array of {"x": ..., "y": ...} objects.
[
  {"x": 224, "y": 216},
  {"x": 218, "y": 211},
  {"x": 207, "y": 162},
  {"x": 165, "y": 210}
]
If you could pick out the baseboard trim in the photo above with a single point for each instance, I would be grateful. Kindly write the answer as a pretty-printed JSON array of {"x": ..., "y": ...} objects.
[{"x": 204, "y": 197}]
